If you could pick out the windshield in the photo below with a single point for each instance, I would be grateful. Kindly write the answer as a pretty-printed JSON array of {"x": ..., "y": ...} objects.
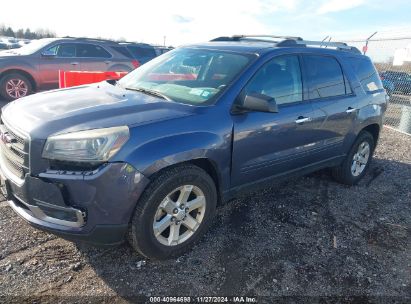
[
  {"x": 33, "y": 46},
  {"x": 190, "y": 76}
]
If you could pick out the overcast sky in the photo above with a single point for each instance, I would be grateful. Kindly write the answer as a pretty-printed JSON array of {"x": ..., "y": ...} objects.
[{"x": 187, "y": 21}]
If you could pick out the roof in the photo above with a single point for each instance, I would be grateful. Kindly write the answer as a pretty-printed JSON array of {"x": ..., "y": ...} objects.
[
  {"x": 238, "y": 46},
  {"x": 261, "y": 44}
]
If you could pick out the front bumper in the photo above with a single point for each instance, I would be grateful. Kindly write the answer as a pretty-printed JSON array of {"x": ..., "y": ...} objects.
[{"x": 93, "y": 207}]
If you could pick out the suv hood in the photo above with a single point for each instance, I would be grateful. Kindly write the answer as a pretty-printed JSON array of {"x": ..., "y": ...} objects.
[{"x": 99, "y": 105}]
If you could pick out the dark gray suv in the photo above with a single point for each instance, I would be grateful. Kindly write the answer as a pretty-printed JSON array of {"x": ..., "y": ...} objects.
[
  {"x": 35, "y": 66},
  {"x": 149, "y": 157}
]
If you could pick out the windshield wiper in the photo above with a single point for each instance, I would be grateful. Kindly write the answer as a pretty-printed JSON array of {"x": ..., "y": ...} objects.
[{"x": 150, "y": 92}]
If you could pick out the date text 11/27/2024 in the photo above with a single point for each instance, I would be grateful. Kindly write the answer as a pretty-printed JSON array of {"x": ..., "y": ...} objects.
[{"x": 203, "y": 299}]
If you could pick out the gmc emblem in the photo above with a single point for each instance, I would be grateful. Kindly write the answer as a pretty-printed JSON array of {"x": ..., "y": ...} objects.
[{"x": 7, "y": 139}]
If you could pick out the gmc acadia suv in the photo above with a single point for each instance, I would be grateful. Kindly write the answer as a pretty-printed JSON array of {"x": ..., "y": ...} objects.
[
  {"x": 149, "y": 157},
  {"x": 34, "y": 67}
]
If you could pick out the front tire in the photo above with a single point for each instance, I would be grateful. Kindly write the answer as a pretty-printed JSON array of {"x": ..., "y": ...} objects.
[
  {"x": 14, "y": 86},
  {"x": 357, "y": 161},
  {"x": 174, "y": 212}
]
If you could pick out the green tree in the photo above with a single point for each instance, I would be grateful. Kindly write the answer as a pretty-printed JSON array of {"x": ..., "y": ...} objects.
[
  {"x": 9, "y": 32},
  {"x": 28, "y": 34},
  {"x": 20, "y": 33}
]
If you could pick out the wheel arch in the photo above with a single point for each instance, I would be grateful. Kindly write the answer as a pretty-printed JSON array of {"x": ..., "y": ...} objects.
[
  {"x": 374, "y": 130},
  {"x": 208, "y": 165},
  {"x": 22, "y": 72}
]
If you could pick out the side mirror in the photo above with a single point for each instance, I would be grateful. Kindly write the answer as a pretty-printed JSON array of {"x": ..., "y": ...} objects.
[
  {"x": 48, "y": 53},
  {"x": 258, "y": 102}
]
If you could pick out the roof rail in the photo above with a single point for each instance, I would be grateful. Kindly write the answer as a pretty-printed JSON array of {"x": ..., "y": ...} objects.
[
  {"x": 342, "y": 46},
  {"x": 267, "y": 36},
  {"x": 254, "y": 38},
  {"x": 93, "y": 39},
  {"x": 290, "y": 41}
]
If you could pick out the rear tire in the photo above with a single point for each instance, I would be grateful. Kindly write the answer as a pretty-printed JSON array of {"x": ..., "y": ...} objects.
[
  {"x": 14, "y": 86},
  {"x": 357, "y": 161},
  {"x": 162, "y": 225}
]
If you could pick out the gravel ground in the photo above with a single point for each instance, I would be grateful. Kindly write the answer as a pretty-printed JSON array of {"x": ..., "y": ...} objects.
[{"x": 307, "y": 237}]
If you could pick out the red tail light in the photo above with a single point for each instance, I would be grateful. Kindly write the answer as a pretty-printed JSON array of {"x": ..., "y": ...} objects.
[{"x": 135, "y": 63}]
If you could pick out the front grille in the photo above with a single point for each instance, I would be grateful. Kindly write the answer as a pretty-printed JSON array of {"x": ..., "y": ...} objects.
[{"x": 14, "y": 151}]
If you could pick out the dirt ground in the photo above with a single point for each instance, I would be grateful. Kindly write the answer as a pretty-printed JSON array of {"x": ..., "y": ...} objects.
[{"x": 303, "y": 239}]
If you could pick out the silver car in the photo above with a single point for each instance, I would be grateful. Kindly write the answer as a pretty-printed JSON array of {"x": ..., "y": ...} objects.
[{"x": 34, "y": 67}]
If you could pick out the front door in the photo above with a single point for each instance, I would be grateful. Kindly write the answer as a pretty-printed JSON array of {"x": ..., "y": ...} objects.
[
  {"x": 64, "y": 59},
  {"x": 267, "y": 144}
]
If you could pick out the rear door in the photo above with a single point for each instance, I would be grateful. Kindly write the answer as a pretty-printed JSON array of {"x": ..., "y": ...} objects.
[
  {"x": 267, "y": 144},
  {"x": 92, "y": 57},
  {"x": 334, "y": 103}
]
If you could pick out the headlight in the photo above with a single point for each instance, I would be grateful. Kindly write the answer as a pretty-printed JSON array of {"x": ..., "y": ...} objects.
[{"x": 90, "y": 146}]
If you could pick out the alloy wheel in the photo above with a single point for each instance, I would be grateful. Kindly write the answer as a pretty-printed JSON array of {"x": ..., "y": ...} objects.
[
  {"x": 360, "y": 159},
  {"x": 179, "y": 215},
  {"x": 16, "y": 88}
]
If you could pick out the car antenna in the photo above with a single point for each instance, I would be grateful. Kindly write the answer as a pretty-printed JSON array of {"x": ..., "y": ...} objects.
[
  {"x": 328, "y": 41},
  {"x": 323, "y": 40}
]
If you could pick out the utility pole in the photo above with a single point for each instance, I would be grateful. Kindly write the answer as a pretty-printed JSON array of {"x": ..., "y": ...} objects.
[{"x": 164, "y": 40}]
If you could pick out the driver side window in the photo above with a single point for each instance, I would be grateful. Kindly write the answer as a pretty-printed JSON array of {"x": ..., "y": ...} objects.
[{"x": 279, "y": 78}]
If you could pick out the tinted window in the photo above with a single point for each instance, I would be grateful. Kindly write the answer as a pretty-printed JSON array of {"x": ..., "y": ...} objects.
[
  {"x": 65, "y": 50},
  {"x": 142, "y": 53},
  {"x": 280, "y": 78},
  {"x": 91, "y": 51},
  {"x": 122, "y": 50},
  {"x": 325, "y": 77},
  {"x": 366, "y": 74}
]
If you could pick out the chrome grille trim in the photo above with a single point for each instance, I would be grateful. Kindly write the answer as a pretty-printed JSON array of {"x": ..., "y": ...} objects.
[{"x": 15, "y": 154}]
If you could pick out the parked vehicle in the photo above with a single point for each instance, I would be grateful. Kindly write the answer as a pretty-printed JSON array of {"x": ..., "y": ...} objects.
[
  {"x": 400, "y": 80},
  {"x": 34, "y": 67},
  {"x": 160, "y": 50},
  {"x": 388, "y": 85},
  {"x": 3, "y": 46},
  {"x": 11, "y": 42},
  {"x": 142, "y": 52},
  {"x": 23, "y": 42},
  {"x": 149, "y": 157}
]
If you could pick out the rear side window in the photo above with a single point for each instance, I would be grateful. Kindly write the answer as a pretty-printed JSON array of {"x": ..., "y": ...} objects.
[
  {"x": 123, "y": 51},
  {"x": 324, "y": 76},
  {"x": 366, "y": 74},
  {"x": 91, "y": 51},
  {"x": 141, "y": 53}
]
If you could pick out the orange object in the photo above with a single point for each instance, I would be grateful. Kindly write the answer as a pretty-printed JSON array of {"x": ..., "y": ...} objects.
[{"x": 75, "y": 78}]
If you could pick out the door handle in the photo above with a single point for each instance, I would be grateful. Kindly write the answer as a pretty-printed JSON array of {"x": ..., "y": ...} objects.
[
  {"x": 350, "y": 110},
  {"x": 74, "y": 63},
  {"x": 301, "y": 120},
  {"x": 107, "y": 62}
]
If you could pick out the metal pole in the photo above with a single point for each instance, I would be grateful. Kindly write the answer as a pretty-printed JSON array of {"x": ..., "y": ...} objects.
[
  {"x": 366, "y": 43},
  {"x": 405, "y": 122}
]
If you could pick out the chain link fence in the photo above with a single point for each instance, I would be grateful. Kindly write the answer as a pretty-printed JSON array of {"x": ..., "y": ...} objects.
[{"x": 391, "y": 54}]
